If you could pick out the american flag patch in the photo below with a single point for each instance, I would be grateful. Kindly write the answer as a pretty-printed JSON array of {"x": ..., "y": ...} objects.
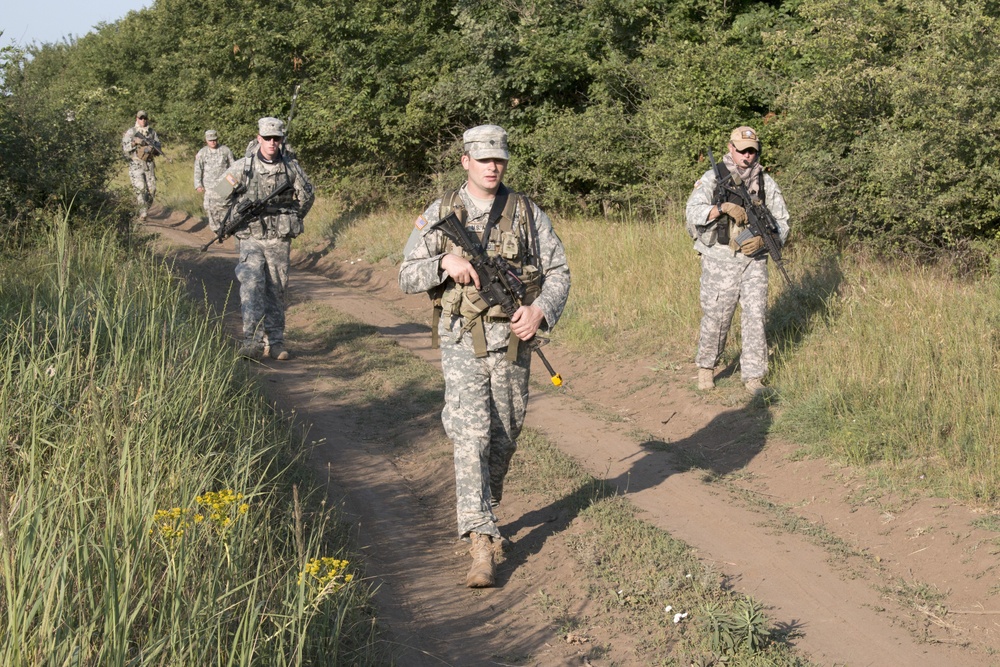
[
  {"x": 420, "y": 222},
  {"x": 232, "y": 180}
]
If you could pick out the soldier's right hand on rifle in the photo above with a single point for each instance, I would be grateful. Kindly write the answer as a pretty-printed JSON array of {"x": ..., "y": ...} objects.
[
  {"x": 460, "y": 270},
  {"x": 734, "y": 211}
]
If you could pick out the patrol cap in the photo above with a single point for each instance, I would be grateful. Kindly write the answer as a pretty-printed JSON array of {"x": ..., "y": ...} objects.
[
  {"x": 211, "y": 135},
  {"x": 744, "y": 137},
  {"x": 141, "y": 114},
  {"x": 270, "y": 127},
  {"x": 486, "y": 141}
]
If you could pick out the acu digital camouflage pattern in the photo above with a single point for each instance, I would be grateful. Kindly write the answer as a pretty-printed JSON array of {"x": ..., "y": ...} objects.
[
  {"x": 485, "y": 398},
  {"x": 209, "y": 166},
  {"x": 142, "y": 173},
  {"x": 728, "y": 278},
  {"x": 263, "y": 275},
  {"x": 265, "y": 245}
]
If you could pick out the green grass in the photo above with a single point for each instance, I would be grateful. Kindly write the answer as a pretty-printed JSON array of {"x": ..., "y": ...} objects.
[
  {"x": 125, "y": 410},
  {"x": 899, "y": 375}
]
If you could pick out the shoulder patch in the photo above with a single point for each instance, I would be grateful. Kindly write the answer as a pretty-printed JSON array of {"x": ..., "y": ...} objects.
[
  {"x": 420, "y": 222},
  {"x": 697, "y": 184}
]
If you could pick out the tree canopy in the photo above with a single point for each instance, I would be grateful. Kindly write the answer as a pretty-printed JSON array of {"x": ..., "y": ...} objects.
[{"x": 878, "y": 117}]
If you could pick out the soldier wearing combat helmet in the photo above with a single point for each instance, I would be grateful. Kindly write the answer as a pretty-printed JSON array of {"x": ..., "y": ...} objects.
[
  {"x": 733, "y": 272},
  {"x": 265, "y": 244},
  {"x": 485, "y": 369}
]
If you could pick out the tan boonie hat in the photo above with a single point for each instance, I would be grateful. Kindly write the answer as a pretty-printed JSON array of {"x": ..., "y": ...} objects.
[
  {"x": 141, "y": 114},
  {"x": 486, "y": 141},
  {"x": 270, "y": 127},
  {"x": 211, "y": 135},
  {"x": 744, "y": 137}
]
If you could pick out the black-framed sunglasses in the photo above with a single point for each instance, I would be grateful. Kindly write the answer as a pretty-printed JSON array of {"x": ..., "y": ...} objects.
[
  {"x": 747, "y": 151},
  {"x": 278, "y": 139}
]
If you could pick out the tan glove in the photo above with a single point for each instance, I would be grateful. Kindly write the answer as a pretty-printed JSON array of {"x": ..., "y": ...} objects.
[
  {"x": 736, "y": 212},
  {"x": 752, "y": 246}
]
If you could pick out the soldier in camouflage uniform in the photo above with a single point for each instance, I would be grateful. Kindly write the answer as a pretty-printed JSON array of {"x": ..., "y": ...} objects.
[
  {"x": 485, "y": 370},
  {"x": 732, "y": 273},
  {"x": 265, "y": 244},
  {"x": 210, "y": 164},
  {"x": 140, "y": 145}
]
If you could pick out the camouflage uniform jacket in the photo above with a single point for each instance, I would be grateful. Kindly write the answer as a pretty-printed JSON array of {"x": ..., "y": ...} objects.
[
  {"x": 284, "y": 214},
  {"x": 700, "y": 203},
  {"x": 128, "y": 145},
  {"x": 421, "y": 268},
  {"x": 210, "y": 164}
]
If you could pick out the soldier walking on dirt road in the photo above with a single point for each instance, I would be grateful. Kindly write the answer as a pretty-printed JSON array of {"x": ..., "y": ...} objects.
[
  {"x": 265, "y": 243},
  {"x": 733, "y": 264},
  {"x": 140, "y": 145},
  {"x": 485, "y": 369},
  {"x": 210, "y": 164}
]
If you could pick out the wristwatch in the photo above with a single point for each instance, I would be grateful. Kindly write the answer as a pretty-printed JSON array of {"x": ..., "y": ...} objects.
[{"x": 718, "y": 207}]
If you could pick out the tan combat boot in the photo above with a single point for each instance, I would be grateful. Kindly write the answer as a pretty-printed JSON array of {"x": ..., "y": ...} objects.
[
  {"x": 706, "y": 379},
  {"x": 755, "y": 387},
  {"x": 278, "y": 351},
  {"x": 481, "y": 574}
]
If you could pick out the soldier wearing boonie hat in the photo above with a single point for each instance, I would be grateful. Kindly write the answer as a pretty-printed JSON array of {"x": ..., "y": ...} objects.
[
  {"x": 485, "y": 369},
  {"x": 140, "y": 144},
  {"x": 265, "y": 244},
  {"x": 210, "y": 164},
  {"x": 733, "y": 273}
]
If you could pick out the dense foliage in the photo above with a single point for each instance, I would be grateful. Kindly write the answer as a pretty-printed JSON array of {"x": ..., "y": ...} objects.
[
  {"x": 57, "y": 149},
  {"x": 879, "y": 117}
]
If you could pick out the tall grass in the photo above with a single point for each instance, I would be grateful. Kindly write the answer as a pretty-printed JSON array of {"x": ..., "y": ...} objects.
[
  {"x": 147, "y": 513},
  {"x": 635, "y": 287},
  {"x": 901, "y": 372}
]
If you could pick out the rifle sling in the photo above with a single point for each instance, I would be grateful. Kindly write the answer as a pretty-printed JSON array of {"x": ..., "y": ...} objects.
[{"x": 496, "y": 212}]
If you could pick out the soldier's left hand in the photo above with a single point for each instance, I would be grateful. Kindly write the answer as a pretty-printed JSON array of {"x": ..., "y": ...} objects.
[
  {"x": 752, "y": 246},
  {"x": 526, "y": 321}
]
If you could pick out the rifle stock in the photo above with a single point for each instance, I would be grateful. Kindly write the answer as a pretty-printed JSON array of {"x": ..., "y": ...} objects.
[{"x": 499, "y": 285}]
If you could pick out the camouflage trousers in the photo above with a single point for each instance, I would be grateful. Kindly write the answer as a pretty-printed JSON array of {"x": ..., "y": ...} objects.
[
  {"x": 485, "y": 402},
  {"x": 263, "y": 275},
  {"x": 143, "y": 177},
  {"x": 723, "y": 285},
  {"x": 214, "y": 211}
]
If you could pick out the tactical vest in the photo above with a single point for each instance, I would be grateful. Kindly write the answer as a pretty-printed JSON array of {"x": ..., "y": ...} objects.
[
  {"x": 283, "y": 204},
  {"x": 723, "y": 196},
  {"x": 517, "y": 244}
]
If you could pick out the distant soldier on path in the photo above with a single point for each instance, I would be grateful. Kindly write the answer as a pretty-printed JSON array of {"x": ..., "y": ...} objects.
[
  {"x": 265, "y": 243},
  {"x": 140, "y": 145},
  {"x": 485, "y": 368},
  {"x": 210, "y": 164},
  {"x": 733, "y": 264}
]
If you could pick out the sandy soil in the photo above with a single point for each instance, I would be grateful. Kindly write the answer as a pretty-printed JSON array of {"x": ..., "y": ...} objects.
[{"x": 886, "y": 582}]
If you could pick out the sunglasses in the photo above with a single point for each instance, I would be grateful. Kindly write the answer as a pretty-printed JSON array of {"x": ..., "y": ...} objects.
[
  {"x": 277, "y": 139},
  {"x": 747, "y": 151}
]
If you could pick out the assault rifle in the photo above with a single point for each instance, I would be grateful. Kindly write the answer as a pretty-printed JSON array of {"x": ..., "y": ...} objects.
[
  {"x": 760, "y": 222},
  {"x": 498, "y": 283},
  {"x": 242, "y": 214},
  {"x": 145, "y": 147}
]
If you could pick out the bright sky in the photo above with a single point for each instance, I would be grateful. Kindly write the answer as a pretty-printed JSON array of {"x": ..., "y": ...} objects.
[{"x": 23, "y": 22}]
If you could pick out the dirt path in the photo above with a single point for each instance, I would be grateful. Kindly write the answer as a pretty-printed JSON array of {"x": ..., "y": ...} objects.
[{"x": 861, "y": 579}]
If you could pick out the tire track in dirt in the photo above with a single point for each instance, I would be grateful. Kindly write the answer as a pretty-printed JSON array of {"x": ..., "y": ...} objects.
[{"x": 838, "y": 616}]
